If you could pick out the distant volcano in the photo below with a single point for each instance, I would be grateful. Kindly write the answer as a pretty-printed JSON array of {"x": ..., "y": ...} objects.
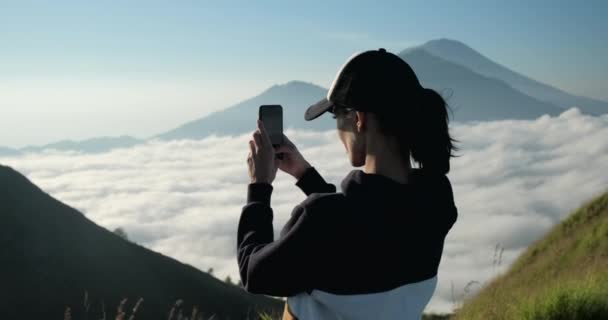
[{"x": 475, "y": 88}]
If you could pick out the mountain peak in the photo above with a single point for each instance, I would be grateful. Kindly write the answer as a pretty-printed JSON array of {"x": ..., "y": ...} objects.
[
  {"x": 441, "y": 44},
  {"x": 297, "y": 83},
  {"x": 446, "y": 42},
  {"x": 449, "y": 46},
  {"x": 293, "y": 85},
  {"x": 279, "y": 92}
]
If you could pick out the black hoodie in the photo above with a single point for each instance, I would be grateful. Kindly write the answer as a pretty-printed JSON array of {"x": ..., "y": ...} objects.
[{"x": 375, "y": 236}]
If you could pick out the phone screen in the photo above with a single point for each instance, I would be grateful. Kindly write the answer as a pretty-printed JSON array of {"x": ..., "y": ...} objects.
[{"x": 272, "y": 117}]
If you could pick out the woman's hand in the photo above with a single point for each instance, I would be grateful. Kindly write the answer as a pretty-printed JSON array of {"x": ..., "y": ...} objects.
[
  {"x": 261, "y": 160},
  {"x": 293, "y": 162}
]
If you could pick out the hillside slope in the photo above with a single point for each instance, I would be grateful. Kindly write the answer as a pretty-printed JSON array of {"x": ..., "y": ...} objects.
[
  {"x": 563, "y": 275},
  {"x": 50, "y": 254}
]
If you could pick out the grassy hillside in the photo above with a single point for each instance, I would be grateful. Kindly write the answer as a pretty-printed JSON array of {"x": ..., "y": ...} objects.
[{"x": 563, "y": 275}]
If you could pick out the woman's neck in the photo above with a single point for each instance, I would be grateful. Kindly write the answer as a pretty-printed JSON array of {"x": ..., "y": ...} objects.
[
  {"x": 383, "y": 156},
  {"x": 388, "y": 165}
]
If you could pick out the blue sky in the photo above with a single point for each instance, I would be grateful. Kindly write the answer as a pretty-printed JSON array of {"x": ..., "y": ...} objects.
[{"x": 78, "y": 69}]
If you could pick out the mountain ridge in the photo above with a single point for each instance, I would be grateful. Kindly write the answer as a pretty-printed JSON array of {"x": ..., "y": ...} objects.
[
  {"x": 474, "y": 92},
  {"x": 460, "y": 53},
  {"x": 91, "y": 145}
]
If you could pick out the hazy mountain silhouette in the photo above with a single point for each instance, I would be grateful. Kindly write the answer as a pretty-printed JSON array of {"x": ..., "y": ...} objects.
[
  {"x": 93, "y": 145},
  {"x": 472, "y": 97},
  {"x": 8, "y": 152},
  {"x": 476, "y": 88},
  {"x": 50, "y": 254},
  {"x": 460, "y": 53},
  {"x": 294, "y": 96}
]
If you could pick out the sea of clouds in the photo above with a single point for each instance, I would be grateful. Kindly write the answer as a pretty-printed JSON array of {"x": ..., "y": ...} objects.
[{"x": 514, "y": 180}]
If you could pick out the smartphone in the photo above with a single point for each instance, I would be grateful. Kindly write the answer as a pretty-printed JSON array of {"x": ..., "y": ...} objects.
[{"x": 272, "y": 118}]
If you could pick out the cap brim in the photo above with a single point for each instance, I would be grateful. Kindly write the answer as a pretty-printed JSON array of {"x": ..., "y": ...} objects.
[{"x": 317, "y": 109}]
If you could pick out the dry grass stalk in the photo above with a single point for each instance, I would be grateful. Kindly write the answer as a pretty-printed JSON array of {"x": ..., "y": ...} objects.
[
  {"x": 137, "y": 306},
  {"x": 120, "y": 314},
  {"x": 176, "y": 311},
  {"x": 103, "y": 310},
  {"x": 67, "y": 315}
]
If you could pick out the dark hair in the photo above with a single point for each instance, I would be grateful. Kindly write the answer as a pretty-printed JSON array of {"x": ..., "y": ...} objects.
[{"x": 421, "y": 128}]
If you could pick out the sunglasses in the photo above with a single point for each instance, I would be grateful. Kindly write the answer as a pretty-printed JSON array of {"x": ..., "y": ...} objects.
[{"x": 340, "y": 110}]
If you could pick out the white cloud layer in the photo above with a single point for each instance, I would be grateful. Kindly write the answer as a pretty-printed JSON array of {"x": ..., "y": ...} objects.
[{"x": 513, "y": 182}]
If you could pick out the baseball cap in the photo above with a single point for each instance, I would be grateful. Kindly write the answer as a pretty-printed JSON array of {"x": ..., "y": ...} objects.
[{"x": 373, "y": 81}]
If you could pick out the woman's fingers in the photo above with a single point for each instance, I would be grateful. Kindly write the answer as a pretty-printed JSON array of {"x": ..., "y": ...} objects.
[
  {"x": 252, "y": 149},
  {"x": 257, "y": 137},
  {"x": 264, "y": 134}
]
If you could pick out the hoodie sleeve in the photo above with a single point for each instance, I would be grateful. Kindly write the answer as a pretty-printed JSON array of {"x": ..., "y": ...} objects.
[
  {"x": 311, "y": 181},
  {"x": 277, "y": 268}
]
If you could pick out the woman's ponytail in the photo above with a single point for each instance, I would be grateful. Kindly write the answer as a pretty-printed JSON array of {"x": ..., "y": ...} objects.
[
  {"x": 429, "y": 142},
  {"x": 421, "y": 128}
]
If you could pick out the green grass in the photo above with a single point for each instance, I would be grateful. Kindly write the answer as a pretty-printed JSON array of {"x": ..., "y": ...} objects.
[
  {"x": 265, "y": 316},
  {"x": 563, "y": 275},
  {"x": 177, "y": 312},
  {"x": 586, "y": 301}
]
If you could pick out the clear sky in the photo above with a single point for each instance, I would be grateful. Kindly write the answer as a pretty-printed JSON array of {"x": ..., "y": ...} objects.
[{"x": 79, "y": 69}]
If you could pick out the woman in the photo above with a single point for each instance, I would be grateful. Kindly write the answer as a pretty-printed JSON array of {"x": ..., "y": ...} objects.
[{"x": 371, "y": 251}]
